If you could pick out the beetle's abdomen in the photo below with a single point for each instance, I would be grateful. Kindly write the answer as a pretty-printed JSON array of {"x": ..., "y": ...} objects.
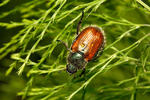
[{"x": 89, "y": 41}]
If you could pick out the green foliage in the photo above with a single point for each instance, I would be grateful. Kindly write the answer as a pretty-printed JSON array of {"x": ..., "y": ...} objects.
[{"x": 121, "y": 73}]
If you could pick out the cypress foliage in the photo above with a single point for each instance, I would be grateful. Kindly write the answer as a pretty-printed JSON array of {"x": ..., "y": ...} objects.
[{"x": 121, "y": 73}]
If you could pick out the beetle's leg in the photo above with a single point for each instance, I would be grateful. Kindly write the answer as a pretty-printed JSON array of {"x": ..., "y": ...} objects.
[
  {"x": 83, "y": 72},
  {"x": 64, "y": 44},
  {"x": 100, "y": 52},
  {"x": 79, "y": 23},
  {"x": 102, "y": 49}
]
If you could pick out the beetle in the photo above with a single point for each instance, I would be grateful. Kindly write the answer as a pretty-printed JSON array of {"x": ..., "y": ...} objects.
[{"x": 88, "y": 45}]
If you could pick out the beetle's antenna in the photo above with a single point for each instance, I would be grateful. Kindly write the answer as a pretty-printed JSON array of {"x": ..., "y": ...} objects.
[
  {"x": 79, "y": 23},
  {"x": 64, "y": 44}
]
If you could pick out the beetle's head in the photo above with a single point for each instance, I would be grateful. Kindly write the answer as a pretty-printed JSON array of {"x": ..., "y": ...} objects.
[
  {"x": 71, "y": 68},
  {"x": 75, "y": 61}
]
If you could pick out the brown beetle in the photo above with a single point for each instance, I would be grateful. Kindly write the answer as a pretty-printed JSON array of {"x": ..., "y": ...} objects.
[{"x": 88, "y": 45}]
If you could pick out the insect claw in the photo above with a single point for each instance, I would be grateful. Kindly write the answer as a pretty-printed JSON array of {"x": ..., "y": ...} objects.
[
  {"x": 79, "y": 23},
  {"x": 83, "y": 72}
]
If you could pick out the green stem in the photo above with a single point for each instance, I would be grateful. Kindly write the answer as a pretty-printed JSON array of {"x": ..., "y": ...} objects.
[{"x": 143, "y": 4}]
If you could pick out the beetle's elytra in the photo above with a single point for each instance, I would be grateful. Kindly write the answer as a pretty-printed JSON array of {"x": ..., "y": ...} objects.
[
  {"x": 88, "y": 42},
  {"x": 87, "y": 45}
]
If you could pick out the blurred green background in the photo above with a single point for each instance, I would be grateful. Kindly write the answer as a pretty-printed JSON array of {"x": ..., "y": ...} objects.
[{"x": 31, "y": 28}]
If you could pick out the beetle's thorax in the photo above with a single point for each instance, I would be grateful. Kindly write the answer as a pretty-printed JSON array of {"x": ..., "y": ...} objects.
[{"x": 77, "y": 59}]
